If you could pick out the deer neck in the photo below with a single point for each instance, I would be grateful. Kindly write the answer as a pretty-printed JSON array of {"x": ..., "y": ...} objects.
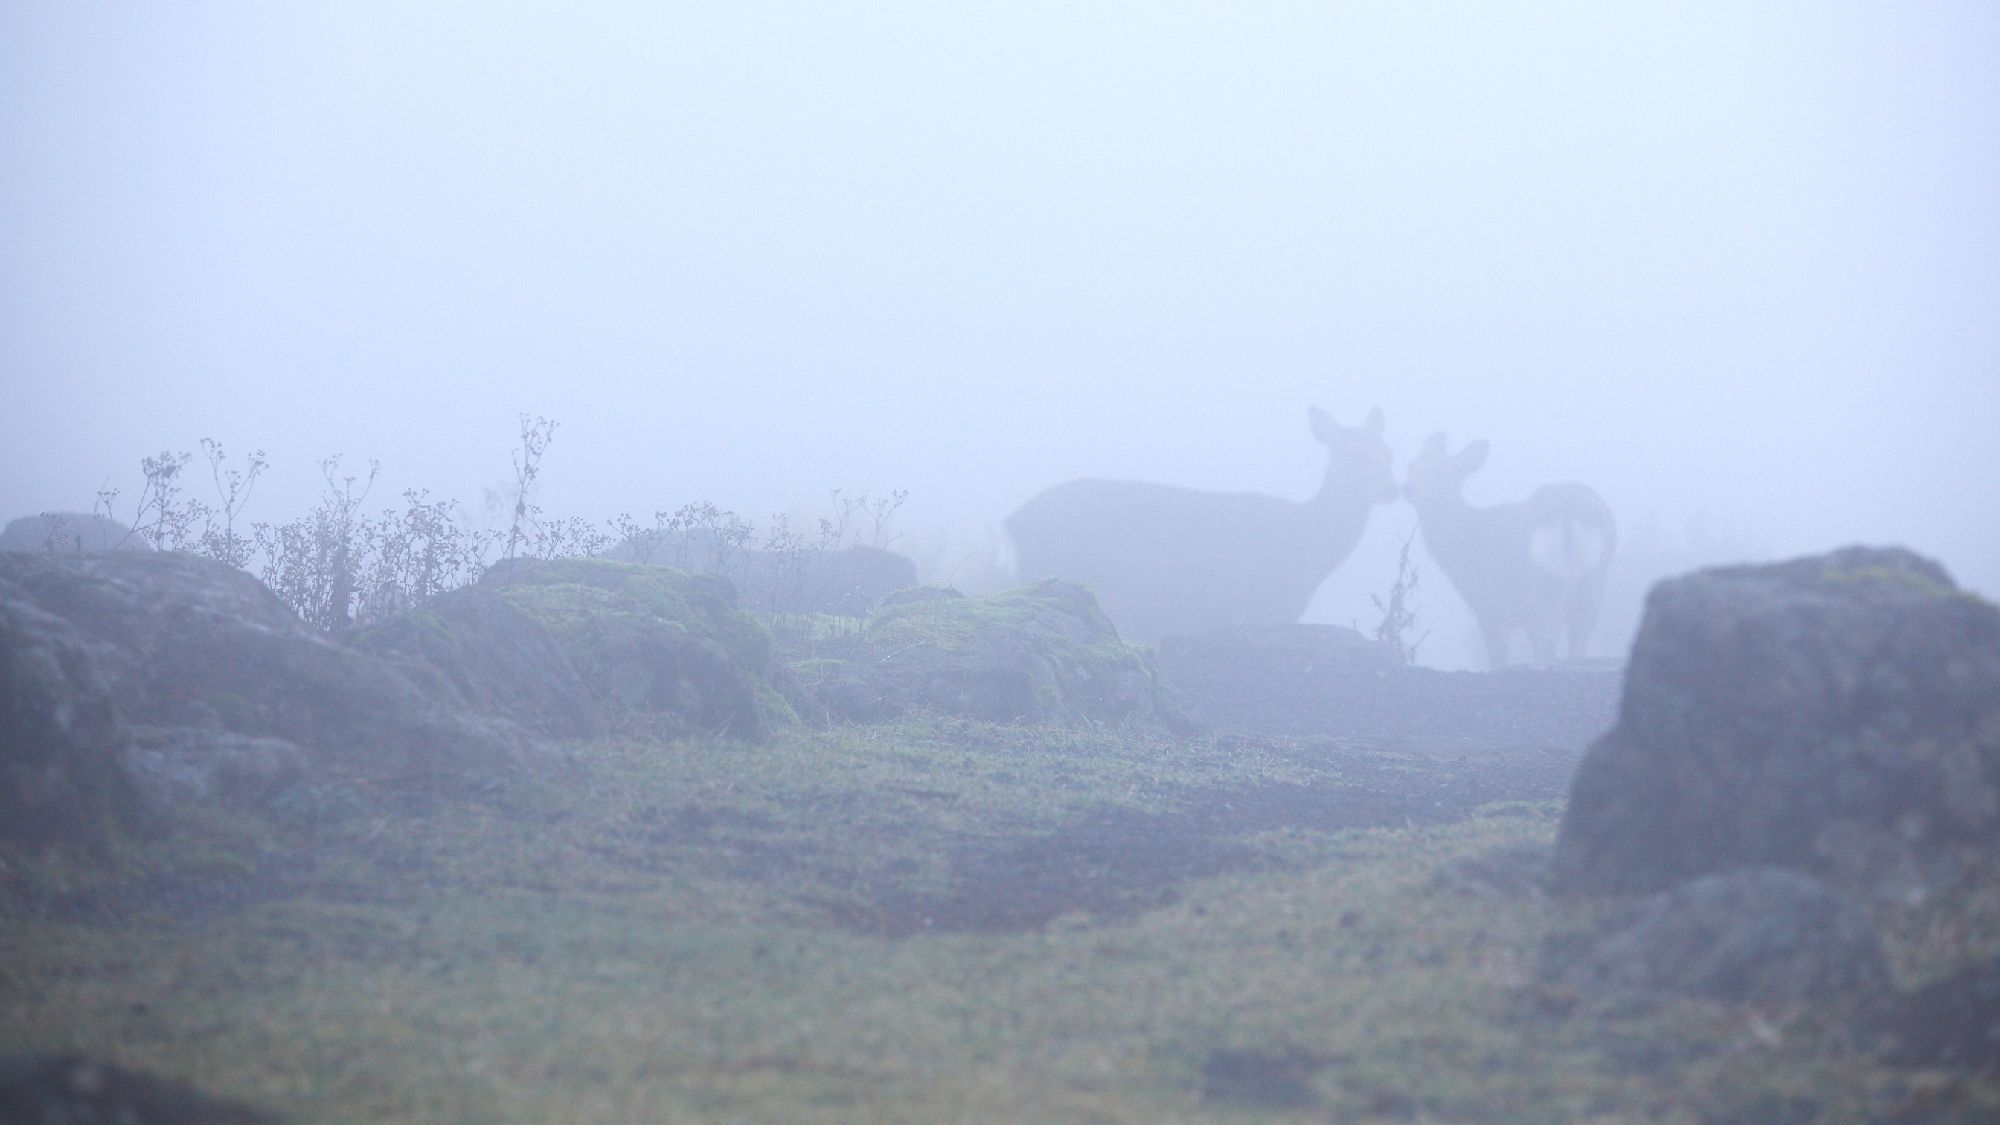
[
  {"x": 1447, "y": 523},
  {"x": 1340, "y": 494}
]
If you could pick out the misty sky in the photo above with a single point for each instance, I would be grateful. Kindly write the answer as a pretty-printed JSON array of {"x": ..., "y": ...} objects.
[{"x": 1736, "y": 265}]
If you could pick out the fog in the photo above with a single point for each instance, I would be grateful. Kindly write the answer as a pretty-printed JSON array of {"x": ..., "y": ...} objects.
[{"x": 1737, "y": 267}]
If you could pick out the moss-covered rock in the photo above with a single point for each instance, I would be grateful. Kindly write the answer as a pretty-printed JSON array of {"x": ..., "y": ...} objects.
[
  {"x": 497, "y": 658},
  {"x": 654, "y": 642},
  {"x": 1040, "y": 654},
  {"x": 1837, "y": 714},
  {"x": 185, "y": 681},
  {"x": 61, "y": 735}
]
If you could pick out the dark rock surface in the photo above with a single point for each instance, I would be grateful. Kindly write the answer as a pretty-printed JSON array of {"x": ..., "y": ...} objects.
[
  {"x": 1330, "y": 681},
  {"x": 70, "y": 531},
  {"x": 1036, "y": 654},
  {"x": 1838, "y": 714},
  {"x": 70, "y": 1089},
  {"x": 62, "y": 777},
  {"x": 221, "y": 689},
  {"x": 1761, "y": 935},
  {"x": 653, "y": 641},
  {"x": 495, "y": 657}
]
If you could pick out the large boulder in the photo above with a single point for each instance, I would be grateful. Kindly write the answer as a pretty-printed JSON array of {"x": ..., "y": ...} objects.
[
  {"x": 493, "y": 655},
  {"x": 847, "y": 581},
  {"x": 62, "y": 774},
  {"x": 1038, "y": 654},
  {"x": 1762, "y": 935},
  {"x": 224, "y": 693},
  {"x": 654, "y": 642},
  {"x": 1839, "y": 715},
  {"x": 76, "y": 532}
]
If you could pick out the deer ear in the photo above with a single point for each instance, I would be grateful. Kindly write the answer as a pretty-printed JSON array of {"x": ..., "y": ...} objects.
[
  {"x": 1374, "y": 423},
  {"x": 1473, "y": 455},
  {"x": 1324, "y": 427}
]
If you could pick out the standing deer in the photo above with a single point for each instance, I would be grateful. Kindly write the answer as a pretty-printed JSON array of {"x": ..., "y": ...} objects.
[
  {"x": 1166, "y": 560},
  {"x": 1536, "y": 566}
]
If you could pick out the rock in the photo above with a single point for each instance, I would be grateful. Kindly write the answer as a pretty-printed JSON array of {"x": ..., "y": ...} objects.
[
  {"x": 494, "y": 656},
  {"x": 654, "y": 642},
  {"x": 186, "y": 766},
  {"x": 75, "y": 532},
  {"x": 61, "y": 1089},
  {"x": 1838, "y": 714},
  {"x": 1952, "y": 1023},
  {"x": 1762, "y": 935},
  {"x": 62, "y": 775},
  {"x": 224, "y": 692},
  {"x": 1332, "y": 682},
  {"x": 847, "y": 581},
  {"x": 1249, "y": 654},
  {"x": 1036, "y": 654}
]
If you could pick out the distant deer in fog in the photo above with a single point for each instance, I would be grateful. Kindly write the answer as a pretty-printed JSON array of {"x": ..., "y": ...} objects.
[
  {"x": 1536, "y": 566},
  {"x": 1166, "y": 560}
]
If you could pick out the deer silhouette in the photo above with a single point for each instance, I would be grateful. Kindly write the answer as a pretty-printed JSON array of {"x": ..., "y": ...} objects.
[
  {"x": 1536, "y": 566},
  {"x": 1166, "y": 560}
]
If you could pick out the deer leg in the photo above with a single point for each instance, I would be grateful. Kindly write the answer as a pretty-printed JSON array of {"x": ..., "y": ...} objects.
[
  {"x": 1496, "y": 635},
  {"x": 1542, "y": 637},
  {"x": 1580, "y": 616}
]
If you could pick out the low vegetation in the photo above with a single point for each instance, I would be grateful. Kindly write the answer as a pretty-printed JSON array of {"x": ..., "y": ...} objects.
[
  {"x": 927, "y": 920},
  {"x": 919, "y": 919},
  {"x": 340, "y": 566}
]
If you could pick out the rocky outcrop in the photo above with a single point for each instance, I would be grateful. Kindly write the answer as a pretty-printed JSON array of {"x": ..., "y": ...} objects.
[
  {"x": 1838, "y": 715},
  {"x": 1760, "y": 935},
  {"x": 475, "y": 645},
  {"x": 202, "y": 686},
  {"x": 75, "y": 532},
  {"x": 653, "y": 642},
  {"x": 62, "y": 771},
  {"x": 847, "y": 581},
  {"x": 1328, "y": 681},
  {"x": 1037, "y": 654}
]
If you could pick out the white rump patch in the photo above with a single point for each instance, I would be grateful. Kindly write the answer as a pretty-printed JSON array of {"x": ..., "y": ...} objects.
[{"x": 1569, "y": 550}]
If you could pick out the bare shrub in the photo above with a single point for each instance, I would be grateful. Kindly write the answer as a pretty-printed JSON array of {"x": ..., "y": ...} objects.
[
  {"x": 1399, "y": 611},
  {"x": 419, "y": 552},
  {"x": 315, "y": 562},
  {"x": 536, "y": 434},
  {"x": 219, "y": 538}
]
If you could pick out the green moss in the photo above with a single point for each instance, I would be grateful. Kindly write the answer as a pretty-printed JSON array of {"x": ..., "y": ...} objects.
[
  {"x": 559, "y": 589},
  {"x": 602, "y": 612},
  {"x": 1891, "y": 576}
]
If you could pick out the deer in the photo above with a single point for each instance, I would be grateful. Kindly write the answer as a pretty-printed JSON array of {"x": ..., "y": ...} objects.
[
  {"x": 1536, "y": 567},
  {"x": 1165, "y": 560}
]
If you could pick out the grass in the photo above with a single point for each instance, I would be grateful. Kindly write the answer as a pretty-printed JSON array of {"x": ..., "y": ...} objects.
[{"x": 927, "y": 921}]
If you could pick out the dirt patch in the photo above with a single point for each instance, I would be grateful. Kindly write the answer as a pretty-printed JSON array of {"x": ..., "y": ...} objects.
[{"x": 1118, "y": 862}]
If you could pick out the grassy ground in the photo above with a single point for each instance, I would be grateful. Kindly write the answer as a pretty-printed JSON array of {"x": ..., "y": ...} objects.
[{"x": 929, "y": 921}]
